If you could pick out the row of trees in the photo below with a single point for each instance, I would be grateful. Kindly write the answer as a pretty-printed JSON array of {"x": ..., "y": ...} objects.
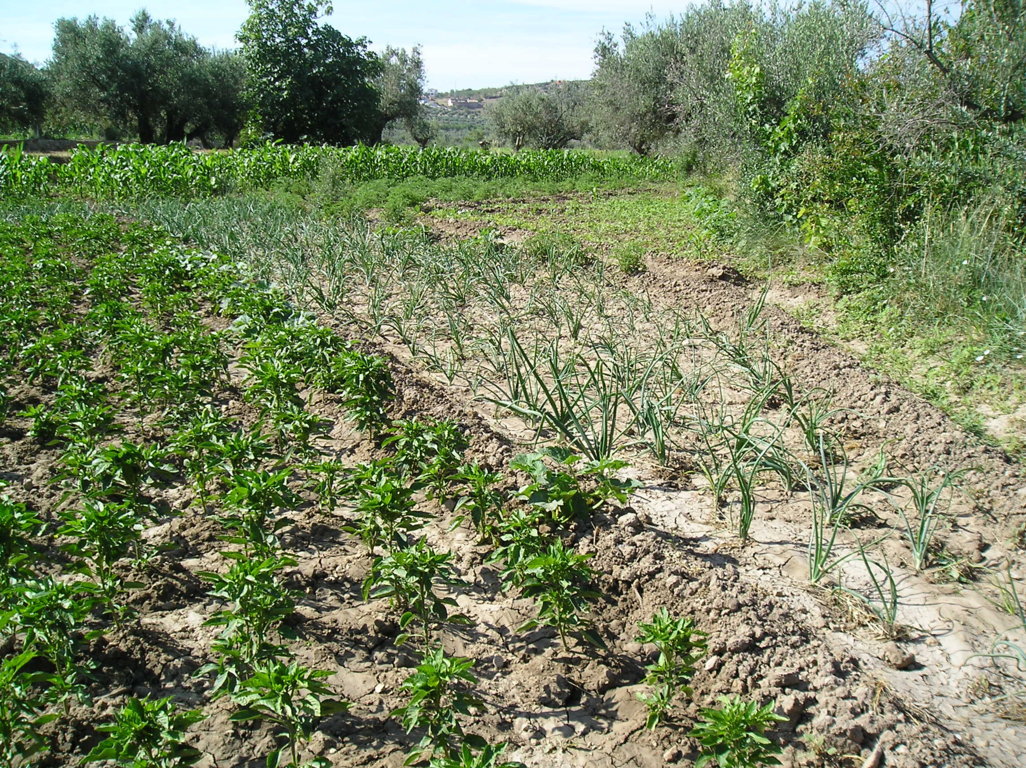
[{"x": 293, "y": 79}]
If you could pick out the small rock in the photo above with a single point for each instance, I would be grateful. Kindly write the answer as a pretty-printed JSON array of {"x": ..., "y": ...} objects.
[
  {"x": 742, "y": 641},
  {"x": 792, "y": 706},
  {"x": 672, "y": 755},
  {"x": 712, "y": 663},
  {"x": 629, "y": 521},
  {"x": 781, "y": 679},
  {"x": 896, "y": 657},
  {"x": 634, "y": 650}
]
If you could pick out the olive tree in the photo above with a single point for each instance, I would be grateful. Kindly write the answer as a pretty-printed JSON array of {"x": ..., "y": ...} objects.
[
  {"x": 23, "y": 94},
  {"x": 152, "y": 77},
  {"x": 400, "y": 87},
  {"x": 546, "y": 119}
]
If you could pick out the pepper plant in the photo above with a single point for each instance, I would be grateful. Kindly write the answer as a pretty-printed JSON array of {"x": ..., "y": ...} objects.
[
  {"x": 292, "y": 697},
  {"x": 733, "y": 735},
  {"x": 438, "y": 697},
  {"x": 147, "y": 733},
  {"x": 680, "y": 646},
  {"x": 407, "y": 577}
]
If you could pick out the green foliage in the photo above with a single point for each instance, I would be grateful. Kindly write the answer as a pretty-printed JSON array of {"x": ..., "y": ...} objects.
[
  {"x": 732, "y": 736},
  {"x": 680, "y": 647},
  {"x": 21, "y": 711},
  {"x": 559, "y": 581},
  {"x": 52, "y": 617},
  {"x": 400, "y": 87},
  {"x": 147, "y": 733},
  {"x": 102, "y": 533},
  {"x": 153, "y": 80},
  {"x": 18, "y": 527},
  {"x": 308, "y": 81},
  {"x": 23, "y": 94},
  {"x": 429, "y": 451},
  {"x": 467, "y": 757},
  {"x": 632, "y": 93},
  {"x": 545, "y": 119},
  {"x": 292, "y": 697},
  {"x": 479, "y": 496},
  {"x": 384, "y": 505},
  {"x": 630, "y": 258},
  {"x": 407, "y": 577},
  {"x": 259, "y": 603},
  {"x": 559, "y": 494},
  {"x": 438, "y": 697}
]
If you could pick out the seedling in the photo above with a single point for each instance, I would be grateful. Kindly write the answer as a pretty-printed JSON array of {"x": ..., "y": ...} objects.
[
  {"x": 680, "y": 647},
  {"x": 480, "y": 497},
  {"x": 558, "y": 580},
  {"x": 559, "y": 494},
  {"x": 921, "y": 525},
  {"x": 438, "y": 697},
  {"x": 147, "y": 733},
  {"x": 18, "y": 527},
  {"x": 292, "y": 697},
  {"x": 260, "y": 603},
  {"x": 21, "y": 710},
  {"x": 732, "y": 736},
  {"x": 384, "y": 506},
  {"x": 431, "y": 452},
  {"x": 53, "y": 615},
  {"x": 103, "y": 532},
  {"x": 407, "y": 577},
  {"x": 486, "y": 756}
]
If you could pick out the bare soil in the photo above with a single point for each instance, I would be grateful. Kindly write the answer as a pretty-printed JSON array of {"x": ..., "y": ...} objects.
[{"x": 851, "y": 697}]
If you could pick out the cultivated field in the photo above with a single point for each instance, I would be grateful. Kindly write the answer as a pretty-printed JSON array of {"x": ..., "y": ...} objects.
[{"x": 286, "y": 485}]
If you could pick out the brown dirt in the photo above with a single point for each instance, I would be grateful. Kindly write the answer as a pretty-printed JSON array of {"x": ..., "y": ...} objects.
[{"x": 849, "y": 696}]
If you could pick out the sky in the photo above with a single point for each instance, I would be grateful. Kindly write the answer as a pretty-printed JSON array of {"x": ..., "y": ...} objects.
[{"x": 465, "y": 43}]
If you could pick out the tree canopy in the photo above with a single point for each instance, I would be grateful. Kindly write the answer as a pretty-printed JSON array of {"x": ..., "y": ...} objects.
[
  {"x": 308, "y": 81},
  {"x": 23, "y": 94},
  {"x": 152, "y": 77}
]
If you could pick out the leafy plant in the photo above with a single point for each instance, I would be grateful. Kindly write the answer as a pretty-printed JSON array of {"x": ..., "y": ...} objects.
[
  {"x": 480, "y": 497},
  {"x": 260, "y": 603},
  {"x": 251, "y": 502},
  {"x": 438, "y": 696},
  {"x": 732, "y": 736},
  {"x": 52, "y": 616},
  {"x": 559, "y": 581},
  {"x": 384, "y": 505},
  {"x": 102, "y": 533},
  {"x": 680, "y": 646},
  {"x": 292, "y": 697},
  {"x": 429, "y": 451},
  {"x": 21, "y": 710},
  {"x": 147, "y": 733},
  {"x": 18, "y": 527},
  {"x": 487, "y": 756},
  {"x": 407, "y": 577},
  {"x": 560, "y": 495}
]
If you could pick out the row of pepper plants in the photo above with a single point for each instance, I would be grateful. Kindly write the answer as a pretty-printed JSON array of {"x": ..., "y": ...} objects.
[{"x": 122, "y": 350}]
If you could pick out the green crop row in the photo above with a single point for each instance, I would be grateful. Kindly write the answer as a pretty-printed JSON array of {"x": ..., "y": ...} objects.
[{"x": 131, "y": 170}]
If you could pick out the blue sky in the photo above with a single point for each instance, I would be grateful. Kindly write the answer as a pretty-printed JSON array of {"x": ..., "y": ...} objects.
[{"x": 466, "y": 44}]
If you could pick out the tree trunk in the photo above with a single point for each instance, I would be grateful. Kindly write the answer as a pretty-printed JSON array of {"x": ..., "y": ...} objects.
[{"x": 145, "y": 129}]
